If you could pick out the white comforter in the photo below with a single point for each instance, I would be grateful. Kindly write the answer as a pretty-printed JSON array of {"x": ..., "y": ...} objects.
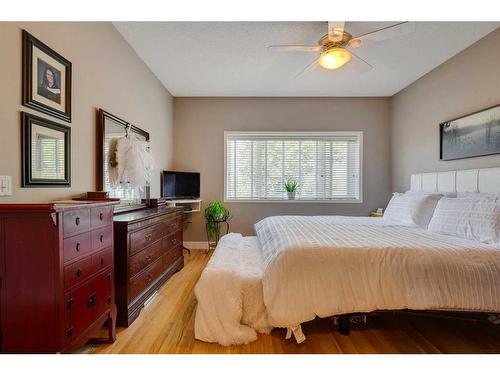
[{"x": 329, "y": 265}]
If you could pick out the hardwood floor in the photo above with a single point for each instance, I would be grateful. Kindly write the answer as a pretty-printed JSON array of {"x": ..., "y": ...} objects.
[{"x": 166, "y": 325}]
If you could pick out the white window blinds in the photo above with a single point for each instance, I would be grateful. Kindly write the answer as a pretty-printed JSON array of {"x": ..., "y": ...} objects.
[{"x": 326, "y": 165}]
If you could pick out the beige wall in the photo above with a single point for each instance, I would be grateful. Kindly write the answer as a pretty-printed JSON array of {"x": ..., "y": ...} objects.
[
  {"x": 468, "y": 82},
  {"x": 199, "y": 125},
  {"x": 108, "y": 74}
]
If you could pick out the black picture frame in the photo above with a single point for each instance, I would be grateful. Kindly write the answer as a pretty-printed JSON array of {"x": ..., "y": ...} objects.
[
  {"x": 463, "y": 131},
  {"x": 27, "y": 180},
  {"x": 28, "y": 79}
]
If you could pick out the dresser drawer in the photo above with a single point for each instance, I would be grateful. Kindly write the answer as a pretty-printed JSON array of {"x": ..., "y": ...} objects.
[
  {"x": 172, "y": 241},
  {"x": 102, "y": 260},
  {"x": 138, "y": 283},
  {"x": 77, "y": 272},
  {"x": 144, "y": 258},
  {"x": 171, "y": 256},
  {"x": 102, "y": 238},
  {"x": 103, "y": 286},
  {"x": 77, "y": 246},
  {"x": 101, "y": 216},
  {"x": 145, "y": 237},
  {"x": 76, "y": 221},
  {"x": 172, "y": 225},
  {"x": 87, "y": 302}
]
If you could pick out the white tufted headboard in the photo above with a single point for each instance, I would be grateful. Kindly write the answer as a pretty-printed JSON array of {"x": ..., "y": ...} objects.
[{"x": 485, "y": 180}]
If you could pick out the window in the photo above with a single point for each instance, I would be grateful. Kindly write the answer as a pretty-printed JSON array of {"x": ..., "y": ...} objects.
[{"x": 326, "y": 165}]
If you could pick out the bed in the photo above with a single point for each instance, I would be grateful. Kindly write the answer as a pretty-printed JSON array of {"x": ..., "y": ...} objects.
[{"x": 300, "y": 267}]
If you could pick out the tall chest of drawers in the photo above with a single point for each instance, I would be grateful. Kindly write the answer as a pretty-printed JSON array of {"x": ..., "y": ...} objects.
[
  {"x": 148, "y": 251},
  {"x": 56, "y": 275}
]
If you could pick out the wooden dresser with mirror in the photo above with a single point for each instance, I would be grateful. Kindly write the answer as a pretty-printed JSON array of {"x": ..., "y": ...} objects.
[
  {"x": 148, "y": 251},
  {"x": 148, "y": 241}
]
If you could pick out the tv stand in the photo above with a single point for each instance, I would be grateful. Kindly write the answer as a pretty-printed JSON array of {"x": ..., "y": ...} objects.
[{"x": 190, "y": 206}]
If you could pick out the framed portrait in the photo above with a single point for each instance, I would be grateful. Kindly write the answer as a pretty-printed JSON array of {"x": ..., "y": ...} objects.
[
  {"x": 45, "y": 152},
  {"x": 46, "y": 79},
  {"x": 475, "y": 134}
]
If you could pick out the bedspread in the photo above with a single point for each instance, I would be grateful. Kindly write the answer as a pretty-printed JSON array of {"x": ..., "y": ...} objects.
[{"x": 330, "y": 265}]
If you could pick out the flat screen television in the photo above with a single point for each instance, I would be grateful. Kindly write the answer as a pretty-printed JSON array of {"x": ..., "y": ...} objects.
[{"x": 180, "y": 185}]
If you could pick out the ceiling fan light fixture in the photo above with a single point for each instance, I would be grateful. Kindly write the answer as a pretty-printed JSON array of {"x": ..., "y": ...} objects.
[{"x": 334, "y": 58}]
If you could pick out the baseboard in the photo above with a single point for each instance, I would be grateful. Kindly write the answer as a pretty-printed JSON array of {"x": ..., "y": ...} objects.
[{"x": 196, "y": 245}]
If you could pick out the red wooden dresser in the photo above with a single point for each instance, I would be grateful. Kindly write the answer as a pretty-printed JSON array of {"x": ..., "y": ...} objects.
[{"x": 56, "y": 276}]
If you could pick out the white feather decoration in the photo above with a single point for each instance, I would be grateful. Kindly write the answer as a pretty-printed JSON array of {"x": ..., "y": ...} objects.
[{"x": 133, "y": 163}]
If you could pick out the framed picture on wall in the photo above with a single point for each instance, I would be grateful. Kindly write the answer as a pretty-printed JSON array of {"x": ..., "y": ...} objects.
[
  {"x": 46, "y": 79},
  {"x": 476, "y": 134},
  {"x": 45, "y": 152}
]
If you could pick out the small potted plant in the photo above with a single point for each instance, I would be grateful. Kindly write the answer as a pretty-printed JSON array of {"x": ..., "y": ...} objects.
[
  {"x": 215, "y": 214},
  {"x": 291, "y": 187}
]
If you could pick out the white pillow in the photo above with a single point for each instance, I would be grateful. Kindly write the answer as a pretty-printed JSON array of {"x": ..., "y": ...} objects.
[
  {"x": 448, "y": 194},
  {"x": 473, "y": 218},
  {"x": 478, "y": 195},
  {"x": 416, "y": 209}
]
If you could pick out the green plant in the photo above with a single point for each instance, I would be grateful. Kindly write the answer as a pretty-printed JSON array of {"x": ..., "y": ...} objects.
[
  {"x": 291, "y": 186},
  {"x": 214, "y": 212}
]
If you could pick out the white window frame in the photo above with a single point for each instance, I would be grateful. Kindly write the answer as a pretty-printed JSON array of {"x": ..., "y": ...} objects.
[{"x": 358, "y": 134}]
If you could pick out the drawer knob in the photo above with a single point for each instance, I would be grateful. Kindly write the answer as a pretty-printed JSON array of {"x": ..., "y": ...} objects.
[
  {"x": 101, "y": 238},
  {"x": 77, "y": 221},
  {"x": 78, "y": 246},
  {"x": 100, "y": 216},
  {"x": 147, "y": 237},
  {"x": 78, "y": 272},
  {"x": 92, "y": 300}
]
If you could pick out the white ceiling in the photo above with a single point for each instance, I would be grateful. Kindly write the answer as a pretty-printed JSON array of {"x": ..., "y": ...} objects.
[{"x": 232, "y": 59}]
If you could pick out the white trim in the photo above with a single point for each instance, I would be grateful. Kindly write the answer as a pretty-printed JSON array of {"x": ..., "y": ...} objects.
[
  {"x": 196, "y": 245},
  {"x": 267, "y": 134},
  {"x": 293, "y": 200}
]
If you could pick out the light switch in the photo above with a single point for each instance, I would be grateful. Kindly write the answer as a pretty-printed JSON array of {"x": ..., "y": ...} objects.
[{"x": 5, "y": 185}]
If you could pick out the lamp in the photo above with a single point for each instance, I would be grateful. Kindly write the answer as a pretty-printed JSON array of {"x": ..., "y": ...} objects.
[{"x": 334, "y": 58}]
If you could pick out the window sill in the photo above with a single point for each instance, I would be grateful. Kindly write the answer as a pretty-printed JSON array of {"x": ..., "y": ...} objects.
[{"x": 327, "y": 201}]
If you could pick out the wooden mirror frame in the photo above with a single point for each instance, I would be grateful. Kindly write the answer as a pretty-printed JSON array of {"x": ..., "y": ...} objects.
[{"x": 102, "y": 115}]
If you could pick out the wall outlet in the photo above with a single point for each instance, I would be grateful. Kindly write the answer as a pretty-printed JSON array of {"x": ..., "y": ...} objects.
[{"x": 5, "y": 185}]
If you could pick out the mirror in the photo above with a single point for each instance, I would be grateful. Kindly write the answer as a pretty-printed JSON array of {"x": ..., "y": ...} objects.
[
  {"x": 45, "y": 152},
  {"x": 109, "y": 128}
]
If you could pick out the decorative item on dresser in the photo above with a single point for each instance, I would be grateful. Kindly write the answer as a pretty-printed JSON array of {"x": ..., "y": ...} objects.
[
  {"x": 56, "y": 270},
  {"x": 148, "y": 251}
]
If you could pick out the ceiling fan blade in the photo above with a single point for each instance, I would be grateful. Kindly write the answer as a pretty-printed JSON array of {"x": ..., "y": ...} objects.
[
  {"x": 294, "y": 48},
  {"x": 314, "y": 64},
  {"x": 358, "y": 64},
  {"x": 388, "y": 32},
  {"x": 336, "y": 30}
]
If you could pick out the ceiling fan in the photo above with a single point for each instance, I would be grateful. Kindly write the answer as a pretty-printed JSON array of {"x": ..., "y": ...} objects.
[{"x": 336, "y": 46}]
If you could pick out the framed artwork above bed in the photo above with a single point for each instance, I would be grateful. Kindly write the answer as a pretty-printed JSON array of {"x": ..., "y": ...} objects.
[{"x": 476, "y": 134}]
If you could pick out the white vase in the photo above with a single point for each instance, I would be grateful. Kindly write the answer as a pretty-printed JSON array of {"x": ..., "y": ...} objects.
[{"x": 291, "y": 195}]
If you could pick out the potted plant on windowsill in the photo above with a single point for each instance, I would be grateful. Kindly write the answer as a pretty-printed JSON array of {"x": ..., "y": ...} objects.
[{"x": 291, "y": 187}]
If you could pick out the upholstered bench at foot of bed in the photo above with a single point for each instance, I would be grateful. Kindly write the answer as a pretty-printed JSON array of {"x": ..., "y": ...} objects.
[{"x": 230, "y": 306}]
